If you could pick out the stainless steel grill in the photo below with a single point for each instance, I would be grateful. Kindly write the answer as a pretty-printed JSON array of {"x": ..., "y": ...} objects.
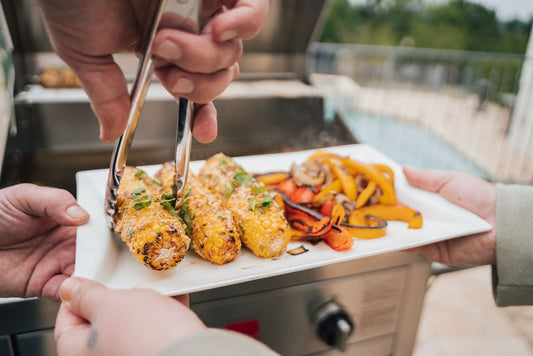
[{"x": 273, "y": 108}]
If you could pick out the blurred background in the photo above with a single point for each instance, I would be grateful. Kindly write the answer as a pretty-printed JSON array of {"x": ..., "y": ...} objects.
[
  {"x": 435, "y": 84},
  {"x": 447, "y": 85}
]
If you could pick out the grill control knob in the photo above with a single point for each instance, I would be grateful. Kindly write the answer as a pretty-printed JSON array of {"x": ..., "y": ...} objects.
[{"x": 333, "y": 324}]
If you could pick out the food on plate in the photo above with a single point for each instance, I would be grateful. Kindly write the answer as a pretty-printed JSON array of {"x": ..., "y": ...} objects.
[
  {"x": 147, "y": 222},
  {"x": 298, "y": 250},
  {"x": 332, "y": 198},
  {"x": 211, "y": 227},
  {"x": 60, "y": 77},
  {"x": 325, "y": 198},
  {"x": 397, "y": 212},
  {"x": 260, "y": 219}
]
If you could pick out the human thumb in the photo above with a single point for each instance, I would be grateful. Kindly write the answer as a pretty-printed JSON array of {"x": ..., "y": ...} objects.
[
  {"x": 467, "y": 191},
  {"x": 82, "y": 296},
  {"x": 56, "y": 204},
  {"x": 427, "y": 179}
]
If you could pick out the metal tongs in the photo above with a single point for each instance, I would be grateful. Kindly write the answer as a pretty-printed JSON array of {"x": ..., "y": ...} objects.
[{"x": 176, "y": 14}]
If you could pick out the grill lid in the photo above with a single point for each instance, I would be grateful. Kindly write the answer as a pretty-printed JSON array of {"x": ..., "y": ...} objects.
[{"x": 279, "y": 49}]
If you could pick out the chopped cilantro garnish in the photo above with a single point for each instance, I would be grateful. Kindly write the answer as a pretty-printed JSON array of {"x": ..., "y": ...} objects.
[
  {"x": 187, "y": 194},
  {"x": 142, "y": 204},
  {"x": 241, "y": 177},
  {"x": 185, "y": 213},
  {"x": 141, "y": 201},
  {"x": 228, "y": 189},
  {"x": 139, "y": 174},
  {"x": 167, "y": 202},
  {"x": 167, "y": 197},
  {"x": 223, "y": 163},
  {"x": 258, "y": 190},
  {"x": 260, "y": 204},
  {"x": 266, "y": 201},
  {"x": 252, "y": 204},
  {"x": 139, "y": 198}
]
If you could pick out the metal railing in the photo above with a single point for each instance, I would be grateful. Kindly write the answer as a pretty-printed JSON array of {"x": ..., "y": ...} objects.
[{"x": 434, "y": 108}]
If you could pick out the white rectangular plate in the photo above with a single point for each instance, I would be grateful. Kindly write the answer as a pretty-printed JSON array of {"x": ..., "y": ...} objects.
[{"x": 101, "y": 256}]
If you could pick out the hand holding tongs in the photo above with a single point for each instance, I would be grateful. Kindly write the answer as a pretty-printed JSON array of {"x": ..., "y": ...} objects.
[{"x": 177, "y": 14}]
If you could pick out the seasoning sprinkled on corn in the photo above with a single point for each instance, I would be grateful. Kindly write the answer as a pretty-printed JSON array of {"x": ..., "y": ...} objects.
[
  {"x": 148, "y": 223},
  {"x": 213, "y": 232},
  {"x": 261, "y": 221}
]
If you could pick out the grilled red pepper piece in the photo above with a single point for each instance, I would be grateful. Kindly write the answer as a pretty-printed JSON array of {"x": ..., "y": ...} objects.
[
  {"x": 288, "y": 187},
  {"x": 327, "y": 207},
  {"x": 310, "y": 225},
  {"x": 303, "y": 195},
  {"x": 338, "y": 239}
]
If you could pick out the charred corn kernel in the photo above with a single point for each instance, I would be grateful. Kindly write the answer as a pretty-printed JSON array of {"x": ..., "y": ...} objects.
[
  {"x": 214, "y": 234},
  {"x": 261, "y": 221},
  {"x": 221, "y": 174},
  {"x": 264, "y": 228},
  {"x": 154, "y": 233}
]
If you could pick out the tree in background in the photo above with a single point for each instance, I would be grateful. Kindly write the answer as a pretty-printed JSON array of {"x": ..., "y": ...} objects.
[{"x": 456, "y": 24}]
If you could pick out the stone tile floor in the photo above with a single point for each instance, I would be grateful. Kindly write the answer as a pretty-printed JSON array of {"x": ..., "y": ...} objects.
[{"x": 460, "y": 317}]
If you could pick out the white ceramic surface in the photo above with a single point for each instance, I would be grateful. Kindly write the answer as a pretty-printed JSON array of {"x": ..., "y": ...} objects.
[{"x": 101, "y": 256}]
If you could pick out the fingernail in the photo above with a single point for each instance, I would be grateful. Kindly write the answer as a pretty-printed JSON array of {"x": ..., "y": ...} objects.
[
  {"x": 183, "y": 86},
  {"x": 68, "y": 288},
  {"x": 76, "y": 212},
  {"x": 228, "y": 35},
  {"x": 236, "y": 71},
  {"x": 169, "y": 50}
]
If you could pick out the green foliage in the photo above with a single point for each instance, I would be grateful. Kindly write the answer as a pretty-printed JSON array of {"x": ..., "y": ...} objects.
[{"x": 456, "y": 24}]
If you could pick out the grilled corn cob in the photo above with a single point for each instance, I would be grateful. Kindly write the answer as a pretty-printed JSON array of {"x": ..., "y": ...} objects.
[
  {"x": 213, "y": 232},
  {"x": 147, "y": 223},
  {"x": 263, "y": 226}
]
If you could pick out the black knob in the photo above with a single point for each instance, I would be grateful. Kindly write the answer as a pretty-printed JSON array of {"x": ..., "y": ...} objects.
[{"x": 333, "y": 324}]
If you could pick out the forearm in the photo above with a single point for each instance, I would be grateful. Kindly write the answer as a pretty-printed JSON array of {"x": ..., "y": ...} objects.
[
  {"x": 217, "y": 342},
  {"x": 512, "y": 274}
]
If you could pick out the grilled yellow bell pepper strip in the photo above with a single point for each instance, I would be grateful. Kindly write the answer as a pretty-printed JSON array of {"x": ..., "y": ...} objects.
[
  {"x": 321, "y": 155},
  {"x": 389, "y": 212},
  {"x": 366, "y": 194},
  {"x": 385, "y": 169},
  {"x": 347, "y": 181},
  {"x": 272, "y": 178},
  {"x": 333, "y": 187},
  {"x": 366, "y": 227},
  {"x": 372, "y": 174}
]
